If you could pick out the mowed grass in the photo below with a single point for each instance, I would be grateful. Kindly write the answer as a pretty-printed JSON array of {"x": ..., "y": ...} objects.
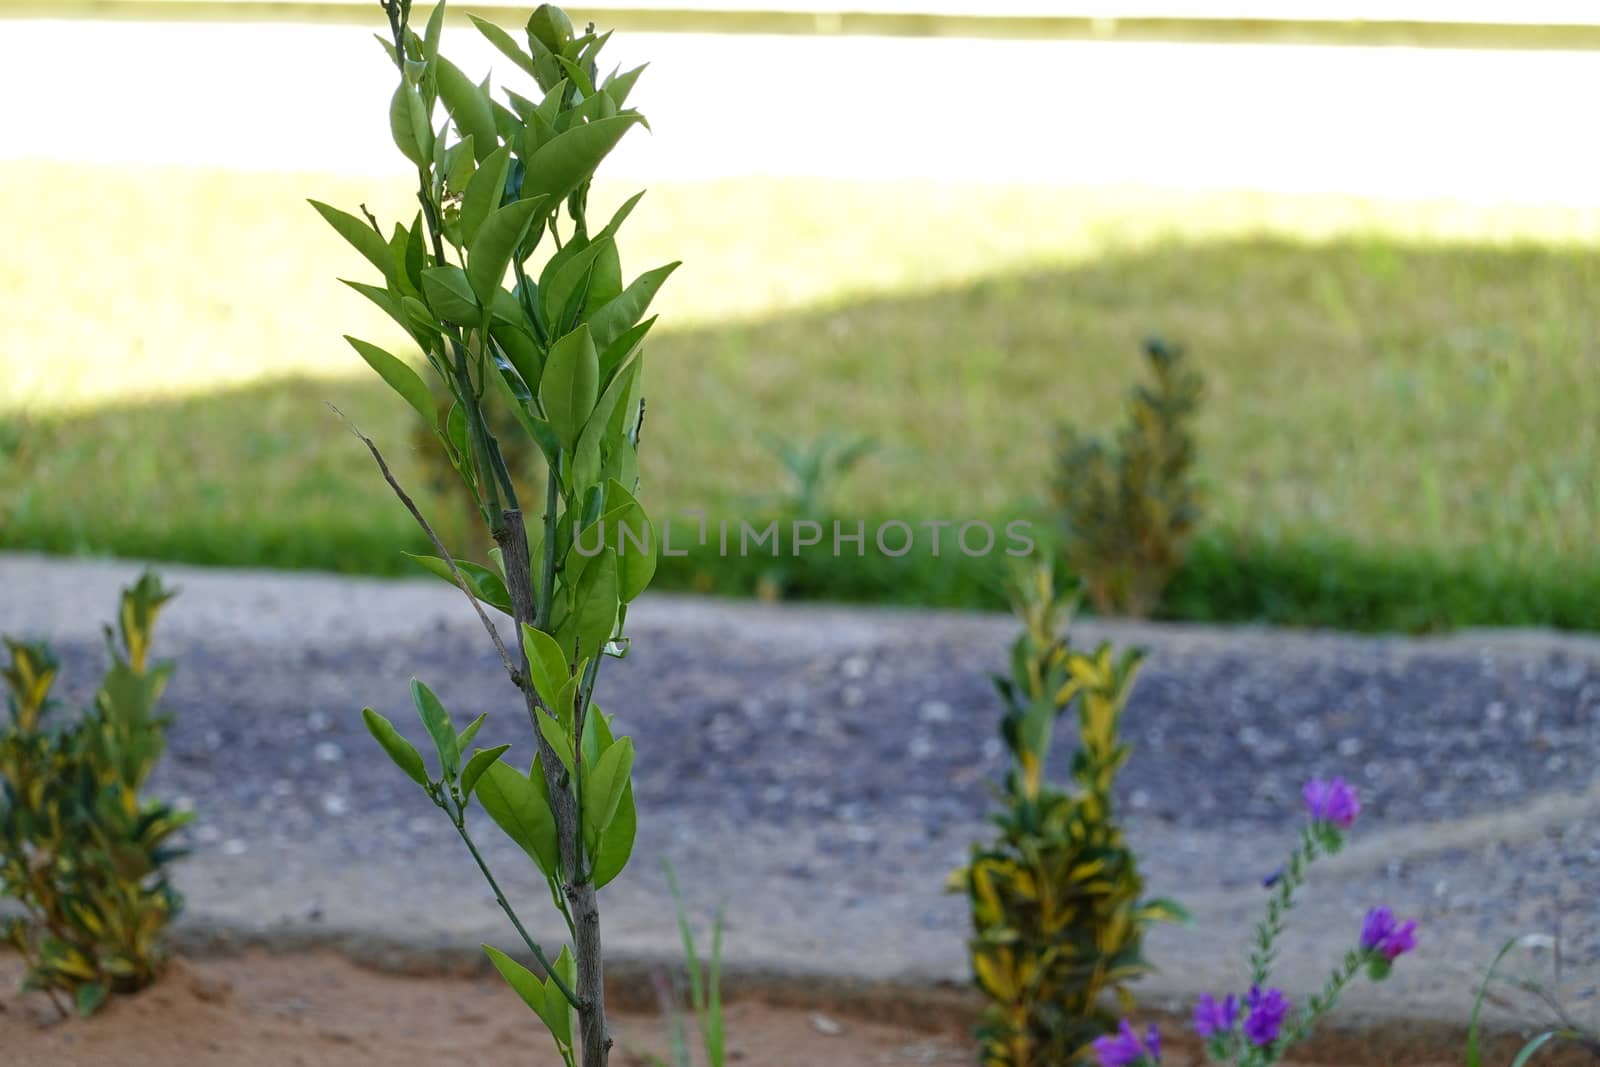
[{"x": 1404, "y": 398}]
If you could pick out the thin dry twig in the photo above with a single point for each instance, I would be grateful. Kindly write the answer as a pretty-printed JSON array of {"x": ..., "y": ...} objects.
[{"x": 444, "y": 553}]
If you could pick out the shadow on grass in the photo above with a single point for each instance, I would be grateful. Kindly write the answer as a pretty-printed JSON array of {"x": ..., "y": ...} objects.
[{"x": 1397, "y": 436}]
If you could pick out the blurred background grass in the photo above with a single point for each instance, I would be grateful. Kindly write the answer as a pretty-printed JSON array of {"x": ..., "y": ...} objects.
[{"x": 1400, "y": 432}]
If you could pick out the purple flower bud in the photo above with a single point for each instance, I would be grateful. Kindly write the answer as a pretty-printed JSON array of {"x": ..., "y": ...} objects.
[
  {"x": 1401, "y": 941},
  {"x": 1376, "y": 928},
  {"x": 1381, "y": 932},
  {"x": 1267, "y": 1009},
  {"x": 1332, "y": 802},
  {"x": 1211, "y": 1017},
  {"x": 1123, "y": 1049}
]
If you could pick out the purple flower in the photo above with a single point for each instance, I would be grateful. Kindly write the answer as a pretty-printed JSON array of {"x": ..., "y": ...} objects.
[
  {"x": 1376, "y": 928},
  {"x": 1332, "y": 802},
  {"x": 1381, "y": 932},
  {"x": 1211, "y": 1017},
  {"x": 1403, "y": 940},
  {"x": 1123, "y": 1049},
  {"x": 1267, "y": 1009}
]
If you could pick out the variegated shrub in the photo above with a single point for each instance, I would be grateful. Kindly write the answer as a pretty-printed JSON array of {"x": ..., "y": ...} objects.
[
  {"x": 81, "y": 850},
  {"x": 1058, "y": 904}
]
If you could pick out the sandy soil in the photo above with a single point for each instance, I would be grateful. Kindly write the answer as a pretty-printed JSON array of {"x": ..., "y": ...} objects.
[{"x": 319, "y": 1010}]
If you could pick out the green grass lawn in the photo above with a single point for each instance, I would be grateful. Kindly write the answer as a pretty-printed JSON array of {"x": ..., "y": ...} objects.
[{"x": 1402, "y": 425}]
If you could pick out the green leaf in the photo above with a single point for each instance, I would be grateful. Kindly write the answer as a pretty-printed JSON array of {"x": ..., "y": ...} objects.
[
  {"x": 619, "y": 352},
  {"x": 522, "y": 811},
  {"x": 618, "y": 86},
  {"x": 567, "y": 160},
  {"x": 400, "y": 750},
  {"x": 480, "y": 761},
  {"x": 1163, "y": 910},
  {"x": 437, "y": 722},
  {"x": 435, "y": 31},
  {"x": 490, "y": 252},
  {"x": 484, "y": 583},
  {"x": 571, "y": 384},
  {"x": 597, "y": 603},
  {"x": 505, "y": 42},
  {"x": 464, "y": 738},
  {"x": 484, "y": 192},
  {"x": 603, "y": 785},
  {"x": 552, "y": 732},
  {"x": 570, "y": 282},
  {"x": 399, "y": 377},
  {"x": 519, "y": 978},
  {"x": 449, "y": 295},
  {"x": 547, "y": 667},
  {"x": 616, "y": 841},
  {"x": 586, "y": 457},
  {"x": 627, "y": 526},
  {"x": 408, "y": 121},
  {"x": 614, "y": 319},
  {"x": 89, "y": 997},
  {"x": 366, "y": 240},
  {"x": 468, "y": 106}
]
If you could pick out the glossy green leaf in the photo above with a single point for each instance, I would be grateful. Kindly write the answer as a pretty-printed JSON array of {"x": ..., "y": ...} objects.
[
  {"x": 434, "y": 32},
  {"x": 522, "y": 980},
  {"x": 603, "y": 786},
  {"x": 401, "y": 751},
  {"x": 569, "y": 159},
  {"x": 630, "y": 532},
  {"x": 464, "y": 738},
  {"x": 571, "y": 384},
  {"x": 597, "y": 603},
  {"x": 522, "y": 811},
  {"x": 616, "y": 317},
  {"x": 484, "y": 192},
  {"x": 504, "y": 42},
  {"x": 616, "y": 840},
  {"x": 449, "y": 295},
  {"x": 367, "y": 241},
  {"x": 490, "y": 252},
  {"x": 559, "y": 741},
  {"x": 437, "y": 722},
  {"x": 618, "y": 86},
  {"x": 570, "y": 283},
  {"x": 408, "y": 122},
  {"x": 547, "y": 667},
  {"x": 468, "y": 106},
  {"x": 484, "y": 583},
  {"x": 586, "y": 456},
  {"x": 480, "y": 762},
  {"x": 399, "y": 377}
]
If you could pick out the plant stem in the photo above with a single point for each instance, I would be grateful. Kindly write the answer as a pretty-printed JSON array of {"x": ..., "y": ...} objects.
[{"x": 533, "y": 946}]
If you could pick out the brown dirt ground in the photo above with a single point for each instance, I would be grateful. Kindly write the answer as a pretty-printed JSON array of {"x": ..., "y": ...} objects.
[{"x": 320, "y": 1010}]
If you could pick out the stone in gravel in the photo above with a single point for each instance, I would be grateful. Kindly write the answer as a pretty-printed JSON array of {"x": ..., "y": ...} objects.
[{"x": 328, "y": 752}]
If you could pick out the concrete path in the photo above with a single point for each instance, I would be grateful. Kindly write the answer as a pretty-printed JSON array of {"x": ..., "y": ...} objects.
[{"x": 819, "y": 770}]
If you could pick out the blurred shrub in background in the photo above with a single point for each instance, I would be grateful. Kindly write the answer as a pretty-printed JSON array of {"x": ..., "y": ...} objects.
[{"x": 1129, "y": 510}]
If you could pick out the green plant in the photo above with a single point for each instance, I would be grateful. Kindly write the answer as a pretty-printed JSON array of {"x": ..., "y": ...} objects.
[
  {"x": 1260, "y": 1028},
  {"x": 1129, "y": 511},
  {"x": 559, "y": 351},
  {"x": 1057, "y": 898},
  {"x": 1524, "y": 987},
  {"x": 812, "y": 472},
  {"x": 705, "y": 991},
  {"x": 80, "y": 850}
]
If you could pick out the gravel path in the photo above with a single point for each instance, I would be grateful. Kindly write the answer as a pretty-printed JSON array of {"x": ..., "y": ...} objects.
[{"x": 822, "y": 769}]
